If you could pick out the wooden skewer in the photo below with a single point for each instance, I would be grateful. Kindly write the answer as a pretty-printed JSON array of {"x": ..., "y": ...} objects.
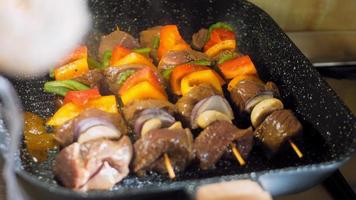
[
  {"x": 296, "y": 149},
  {"x": 169, "y": 167},
  {"x": 237, "y": 154}
]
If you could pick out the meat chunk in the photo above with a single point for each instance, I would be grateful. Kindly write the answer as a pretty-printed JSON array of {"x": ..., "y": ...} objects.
[
  {"x": 149, "y": 150},
  {"x": 131, "y": 110},
  {"x": 91, "y": 124},
  {"x": 93, "y": 78},
  {"x": 174, "y": 58},
  {"x": 186, "y": 104},
  {"x": 95, "y": 165},
  {"x": 147, "y": 38},
  {"x": 199, "y": 39},
  {"x": 277, "y": 128},
  {"x": 247, "y": 93},
  {"x": 214, "y": 141},
  {"x": 108, "y": 42},
  {"x": 111, "y": 75}
]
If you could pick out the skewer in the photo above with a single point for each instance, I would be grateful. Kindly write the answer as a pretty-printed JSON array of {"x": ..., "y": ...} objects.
[
  {"x": 237, "y": 154},
  {"x": 169, "y": 167},
  {"x": 296, "y": 149}
]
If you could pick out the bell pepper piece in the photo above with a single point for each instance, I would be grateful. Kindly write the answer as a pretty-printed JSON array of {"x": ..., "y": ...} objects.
[
  {"x": 71, "y": 110},
  {"x": 195, "y": 78},
  {"x": 78, "y": 53},
  {"x": 238, "y": 66},
  {"x": 134, "y": 58},
  {"x": 179, "y": 72},
  {"x": 237, "y": 79},
  {"x": 218, "y": 35},
  {"x": 145, "y": 74},
  {"x": 170, "y": 39},
  {"x": 71, "y": 70},
  {"x": 118, "y": 53},
  {"x": 65, "y": 113},
  {"x": 62, "y": 87},
  {"x": 223, "y": 45},
  {"x": 81, "y": 97},
  {"x": 104, "y": 103},
  {"x": 142, "y": 90},
  {"x": 105, "y": 62}
]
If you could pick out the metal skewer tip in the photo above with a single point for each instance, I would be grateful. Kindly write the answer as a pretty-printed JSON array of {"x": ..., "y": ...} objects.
[
  {"x": 296, "y": 149},
  {"x": 237, "y": 154},
  {"x": 169, "y": 167}
]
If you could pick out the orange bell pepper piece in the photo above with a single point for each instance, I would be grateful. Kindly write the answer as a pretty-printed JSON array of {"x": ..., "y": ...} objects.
[
  {"x": 237, "y": 67},
  {"x": 195, "y": 78},
  {"x": 134, "y": 58},
  {"x": 219, "y": 35},
  {"x": 78, "y": 53},
  {"x": 81, "y": 97},
  {"x": 71, "y": 70},
  {"x": 142, "y": 90},
  {"x": 117, "y": 53},
  {"x": 71, "y": 110},
  {"x": 223, "y": 45},
  {"x": 179, "y": 72},
  {"x": 144, "y": 74},
  {"x": 170, "y": 39},
  {"x": 237, "y": 79}
]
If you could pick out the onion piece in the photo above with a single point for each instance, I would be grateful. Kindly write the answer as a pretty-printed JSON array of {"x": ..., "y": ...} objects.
[
  {"x": 149, "y": 125},
  {"x": 84, "y": 125},
  {"x": 166, "y": 119},
  {"x": 98, "y": 132},
  {"x": 215, "y": 102}
]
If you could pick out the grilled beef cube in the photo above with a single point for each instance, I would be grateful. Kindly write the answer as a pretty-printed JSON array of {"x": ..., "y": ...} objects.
[
  {"x": 94, "y": 165},
  {"x": 91, "y": 124},
  {"x": 174, "y": 58},
  {"x": 150, "y": 148},
  {"x": 277, "y": 128},
  {"x": 147, "y": 38},
  {"x": 133, "y": 109},
  {"x": 247, "y": 93},
  {"x": 108, "y": 42},
  {"x": 216, "y": 139},
  {"x": 199, "y": 39},
  {"x": 93, "y": 78}
]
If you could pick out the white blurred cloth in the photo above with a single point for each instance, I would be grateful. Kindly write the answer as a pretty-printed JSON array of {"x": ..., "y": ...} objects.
[{"x": 36, "y": 34}]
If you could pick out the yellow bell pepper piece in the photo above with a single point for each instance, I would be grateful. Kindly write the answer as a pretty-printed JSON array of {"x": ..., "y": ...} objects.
[
  {"x": 142, "y": 90},
  {"x": 71, "y": 110},
  {"x": 134, "y": 58},
  {"x": 64, "y": 114},
  {"x": 104, "y": 103},
  {"x": 199, "y": 77},
  {"x": 71, "y": 70},
  {"x": 223, "y": 45}
]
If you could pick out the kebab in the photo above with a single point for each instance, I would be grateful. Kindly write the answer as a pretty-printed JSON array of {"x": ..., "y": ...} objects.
[
  {"x": 162, "y": 144},
  {"x": 187, "y": 72},
  {"x": 247, "y": 91}
]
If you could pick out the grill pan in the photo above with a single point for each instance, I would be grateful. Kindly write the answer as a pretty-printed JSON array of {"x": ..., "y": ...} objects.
[{"x": 329, "y": 135}]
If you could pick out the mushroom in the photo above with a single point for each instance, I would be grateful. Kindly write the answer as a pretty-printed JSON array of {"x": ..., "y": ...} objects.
[
  {"x": 263, "y": 109},
  {"x": 209, "y": 116},
  {"x": 149, "y": 125},
  {"x": 165, "y": 118},
  {"x": 251, "y": 103}
]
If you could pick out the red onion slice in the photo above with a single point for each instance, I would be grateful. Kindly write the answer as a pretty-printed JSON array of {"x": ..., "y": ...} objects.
[{"x": 215, "y": 102}]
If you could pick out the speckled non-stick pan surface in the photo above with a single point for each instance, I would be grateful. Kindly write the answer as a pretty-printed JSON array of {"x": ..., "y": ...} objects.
[{"x": 329, "y": 127}]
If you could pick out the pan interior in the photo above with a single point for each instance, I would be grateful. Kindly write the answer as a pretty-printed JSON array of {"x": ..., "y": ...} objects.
[{"x": 329, "y": 127}]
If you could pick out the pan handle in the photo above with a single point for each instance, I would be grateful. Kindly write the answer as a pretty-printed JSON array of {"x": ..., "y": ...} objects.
[{"x": 11, "y": 113}]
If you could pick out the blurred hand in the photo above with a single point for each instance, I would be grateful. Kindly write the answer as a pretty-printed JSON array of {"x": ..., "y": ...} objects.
[
  {"x": 36, "y": 34},
  {"x": 232, "y": 190}
]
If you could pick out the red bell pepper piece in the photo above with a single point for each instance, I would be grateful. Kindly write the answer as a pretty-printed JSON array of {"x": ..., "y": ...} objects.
[
  {"x": 218, "y": 35},
  {"x": 81, "y": 97}
]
